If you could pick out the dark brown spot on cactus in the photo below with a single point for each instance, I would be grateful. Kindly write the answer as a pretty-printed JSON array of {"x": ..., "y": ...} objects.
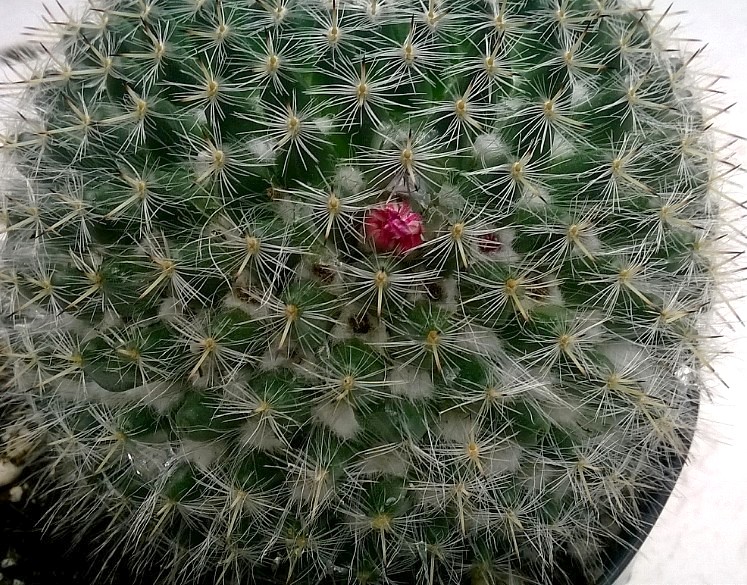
[
  {"x": 490, "y": 244},
  {"x": 323, "y": 272},
  {"x": 360, "y": 324},
  {"x": 435, "y": 291}
]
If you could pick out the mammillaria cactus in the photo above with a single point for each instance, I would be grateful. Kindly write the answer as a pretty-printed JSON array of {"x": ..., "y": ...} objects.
[{"x": 360, "y": 291}]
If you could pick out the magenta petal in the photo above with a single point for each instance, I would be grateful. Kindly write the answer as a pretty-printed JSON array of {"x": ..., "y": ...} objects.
[{"x": 394, "y": 226}]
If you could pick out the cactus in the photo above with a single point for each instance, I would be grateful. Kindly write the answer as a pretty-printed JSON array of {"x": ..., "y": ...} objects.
[{"x": 359, "y": 291}]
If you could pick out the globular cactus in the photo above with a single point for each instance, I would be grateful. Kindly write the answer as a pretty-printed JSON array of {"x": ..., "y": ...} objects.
[{"x": 360, "y": 291}]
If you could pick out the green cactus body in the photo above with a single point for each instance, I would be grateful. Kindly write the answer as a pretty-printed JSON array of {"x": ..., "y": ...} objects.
[{"x": 360, "y": 291}]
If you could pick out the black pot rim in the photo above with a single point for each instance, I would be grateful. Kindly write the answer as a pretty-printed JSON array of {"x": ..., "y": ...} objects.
[{"x": 654, "y": 504}]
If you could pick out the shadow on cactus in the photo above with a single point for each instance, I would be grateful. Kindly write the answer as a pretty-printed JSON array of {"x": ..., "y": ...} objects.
[{"x": 361, "y": 291}]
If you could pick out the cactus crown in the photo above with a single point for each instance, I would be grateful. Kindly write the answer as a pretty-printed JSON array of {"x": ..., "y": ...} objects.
[{"x": 360, "y": 291}]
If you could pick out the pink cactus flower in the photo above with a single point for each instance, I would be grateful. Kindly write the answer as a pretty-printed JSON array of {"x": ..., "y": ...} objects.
[{"x": 393, "y": 227}]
